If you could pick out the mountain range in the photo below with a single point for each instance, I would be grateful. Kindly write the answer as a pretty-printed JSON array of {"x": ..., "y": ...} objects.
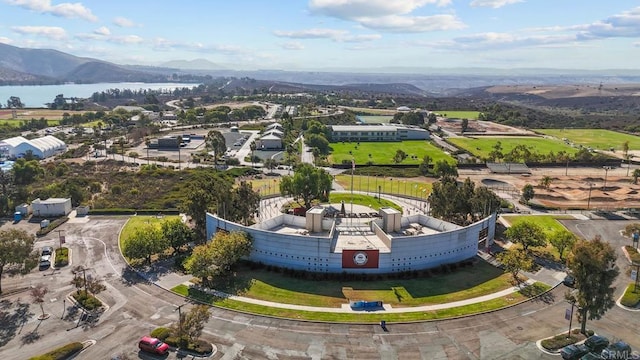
[{"x": 25, "y": 66}]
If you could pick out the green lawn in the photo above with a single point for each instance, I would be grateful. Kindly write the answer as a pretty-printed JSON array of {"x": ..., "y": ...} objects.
[
  {"x": 549, "y": 224},
  {"x": 361, "y": 199},
  {"x": 457, "y": 114},
  {"x": 387, "y": 185},
  {"x": 595, "y": 138},
  {"x": 364, "y": 317},
  {"x": 482, "y": 146},
  {"x": 375, "y": 119},
  {"x": 18, "y": 122},
  {"x": 268, "y": 186},
  {"x": 383, "y": 152},
  {"x": 136, "y": 222},
  {"x": 631, "y": 298}
]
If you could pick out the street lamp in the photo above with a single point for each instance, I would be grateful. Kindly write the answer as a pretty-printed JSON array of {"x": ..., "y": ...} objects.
[
  {"x": 589, "y": 200},
  {"x": 606, "y": 171}
]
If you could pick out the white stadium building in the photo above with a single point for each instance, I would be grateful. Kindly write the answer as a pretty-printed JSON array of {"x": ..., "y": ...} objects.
[{"x": 44, "y": 147}]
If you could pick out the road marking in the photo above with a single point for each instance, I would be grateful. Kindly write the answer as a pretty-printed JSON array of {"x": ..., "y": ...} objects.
[{"x": 529, "y": 313}]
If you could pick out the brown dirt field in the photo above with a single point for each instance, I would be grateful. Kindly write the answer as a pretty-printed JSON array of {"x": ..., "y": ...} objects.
[
  {"x": 235, "y": 105},
  {"x": 486, "y": 127},
  {"x": 571, "y": 191},
  {"x": 44, "y": 113},
  {"x": 567, "y": 91}
]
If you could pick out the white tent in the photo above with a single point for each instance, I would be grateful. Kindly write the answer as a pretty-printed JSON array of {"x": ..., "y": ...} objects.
[{"x": 42, "y": 148}]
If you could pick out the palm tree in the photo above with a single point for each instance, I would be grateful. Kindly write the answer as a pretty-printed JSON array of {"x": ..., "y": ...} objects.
[{"x": 253, "y": 148}]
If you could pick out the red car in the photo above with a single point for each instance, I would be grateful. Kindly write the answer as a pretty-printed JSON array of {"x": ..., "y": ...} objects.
[{"x": 153, "y": 345}]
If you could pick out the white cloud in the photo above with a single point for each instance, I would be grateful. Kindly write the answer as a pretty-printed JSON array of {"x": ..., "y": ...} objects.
[
  {"x": 5, "y": 40},
  {"x": 625, "y": 24},
  {"x": 103, "y": 30},
  {"x": 66, "y": 10},
  {"x": 493, "y": 3},
  {"x": 123, "y": 22},
  {"x": 126, "y": 39},
  {"x": 388, "y": 15},
  {"x": 293, "y": 45},
  {"x": 413, "y": 24},
  {"x": 332, "y": 34},
  {"x": 492, "y": 40},
  {"x": 354, "y": 9},
  {"x": 51, "y": 32}
]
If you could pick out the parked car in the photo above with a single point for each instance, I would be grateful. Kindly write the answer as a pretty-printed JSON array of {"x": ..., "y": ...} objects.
[
  {"x": 574, "y": 352},
  {"x": 45, "y": 262},
  {"x": 596, "y": 343},
  {"x": 153, "y": 345},
  {"x": 617, "y": 350},
  {"x": 591, "y": 356},
  {"x": 569, "y": 281},
  {"x": 46, "y": 250}
]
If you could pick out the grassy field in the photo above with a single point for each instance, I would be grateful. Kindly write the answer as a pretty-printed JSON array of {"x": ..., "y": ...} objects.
[
  {"x": 595, "y": 138},
  {"x": 136, "y": 222},
  {"x": 456, "y": 114},
  {"x": 371, "y": 111},
  {"x": 416, "y": 188},
  {"x": 361, "y": 199},
  {"x": 18, "y": 122},
  {"x": 383, "y": 152},
  {"x": 470, "y": 282},
  {"x": 482, "y": 146},
  {"x": 268, "y": 186},
  {"x": 375, "y": 119},
  {"x": 549, "y": 224}
]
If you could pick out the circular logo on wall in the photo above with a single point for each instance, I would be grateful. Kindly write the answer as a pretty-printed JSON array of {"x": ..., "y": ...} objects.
[{"x": 360, "y": 258}]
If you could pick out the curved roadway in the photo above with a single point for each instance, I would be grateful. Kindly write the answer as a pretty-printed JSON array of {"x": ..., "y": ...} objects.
[{"x": 136, "y": 307}]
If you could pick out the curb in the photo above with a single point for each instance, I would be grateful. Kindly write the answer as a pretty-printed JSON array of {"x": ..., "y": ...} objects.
[{"x": 619, "y": 304}]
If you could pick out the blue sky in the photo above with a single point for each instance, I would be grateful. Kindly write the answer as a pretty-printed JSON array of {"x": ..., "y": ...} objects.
[{"x": 335, "y": 34}]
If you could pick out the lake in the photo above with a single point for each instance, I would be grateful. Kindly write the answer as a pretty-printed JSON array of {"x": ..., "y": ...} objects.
[{"x": 38, "y": 95}]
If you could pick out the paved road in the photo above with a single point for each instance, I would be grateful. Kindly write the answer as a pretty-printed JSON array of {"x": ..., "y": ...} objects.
[{"x": 136, "y": 307}]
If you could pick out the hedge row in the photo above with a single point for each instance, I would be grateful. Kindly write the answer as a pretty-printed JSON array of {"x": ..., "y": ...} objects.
[
  {"x": 52, "y": 225},
  {"x": 87, "y": 301},
  {"x": 559, "y": 341},
  {"x": 116, "y": 211},
  {"x": 61, "y": 353},
  {"x": 166, "y": 335}
]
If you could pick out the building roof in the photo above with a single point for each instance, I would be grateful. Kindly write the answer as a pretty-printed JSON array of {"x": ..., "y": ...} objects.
[
  {"x": 14, "y": 141},
  {"x": 363, "y": 128},
  {"x": 274, "y": 126},
  {"x": 51, "y": 201},
  {"x": 270, "y": 137},
  {"x": 43, "y": 144},
  {"x": 129, "y": 108}
]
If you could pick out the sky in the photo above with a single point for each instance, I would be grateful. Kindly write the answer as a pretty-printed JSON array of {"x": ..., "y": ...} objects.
[{"x": 366, "y": 35}]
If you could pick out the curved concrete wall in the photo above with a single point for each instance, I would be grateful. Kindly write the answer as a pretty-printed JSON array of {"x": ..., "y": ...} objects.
[{"x": 313, "y": 253}]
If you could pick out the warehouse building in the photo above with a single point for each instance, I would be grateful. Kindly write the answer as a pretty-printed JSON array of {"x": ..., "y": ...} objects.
[
  {"x": 51, "y": 207},
  {"x": 366, "y": 133}
]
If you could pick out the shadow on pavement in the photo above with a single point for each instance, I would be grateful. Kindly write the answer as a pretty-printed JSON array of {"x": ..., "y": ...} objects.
[{"x": 12, "y": 323}]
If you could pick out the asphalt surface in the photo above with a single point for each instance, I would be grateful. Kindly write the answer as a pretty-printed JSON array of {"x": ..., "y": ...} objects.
[{"x": 136, "y": 307}]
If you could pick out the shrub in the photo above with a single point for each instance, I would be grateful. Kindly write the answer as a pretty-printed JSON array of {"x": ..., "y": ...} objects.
[
  {"x": 161, "y": 333},
  {"x": 559, "y": 341},
  {"x": 61, "y": 353},
  {"x": 87, "y": 301},
  {"x": 52, "y": 225},
  {"x": 630, "y": 298},
  {"x": 62, "y": 257},
  {"x": 200, "y": 347},
  {"x": 634, "y": 255}
]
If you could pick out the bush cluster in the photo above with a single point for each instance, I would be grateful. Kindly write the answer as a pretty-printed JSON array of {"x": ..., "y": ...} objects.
[
  {"x": 61, "y": 353},
  {"x": 161, "y": 333},
  {"x": 62, "y": 257},
  {"x": 87, "y": 301},
  {"x": 634, "y": 255},
  {"x": 166, "y": 335},
  {"x": 630, "y": 298},
  {"x": 52, "y": 225},
  {"x": 344, "y": 276},
  {"x": 559, "y": 341}
]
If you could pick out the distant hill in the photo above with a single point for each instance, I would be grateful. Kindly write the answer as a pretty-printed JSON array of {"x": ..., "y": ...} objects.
[
  {"x": 45, "y": 66},
  {"x": 196, "y": 64}
]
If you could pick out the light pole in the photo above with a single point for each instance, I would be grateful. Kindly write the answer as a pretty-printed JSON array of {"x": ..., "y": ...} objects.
[
  {"x": 606, "y": 171},
  {"x": 589, "y": 200},
  {"x": 178, "y": 308}
]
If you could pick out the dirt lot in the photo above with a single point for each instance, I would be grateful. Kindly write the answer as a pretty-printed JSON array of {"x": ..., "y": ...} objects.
[
  {"x": 571, "y": 188},
  {"x": 477, "y": 126},
  {"x": 564, "y": 91}
]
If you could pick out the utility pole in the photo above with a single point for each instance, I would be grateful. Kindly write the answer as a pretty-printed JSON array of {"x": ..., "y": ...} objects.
[
  {"x": 60, "y": 237},
  {"x": 84, "y": 277},
  {"x": 178, "y": 308}
]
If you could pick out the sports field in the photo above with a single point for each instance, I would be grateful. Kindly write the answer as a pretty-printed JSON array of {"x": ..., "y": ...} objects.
[
  {"x": 595, "y": 138},
  {"x": 458, "y": 114},
  {"x": 417, "y": 187},
  {"x": 482, "y": 146},
  {"x": 383, "y": 152}
]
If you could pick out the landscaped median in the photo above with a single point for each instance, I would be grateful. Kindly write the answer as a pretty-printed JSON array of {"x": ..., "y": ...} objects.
[
  {"x": 631, "y": 297},
  {"x": 475, "y": 308},
  {"x": 557, "y": 342},
  {"x": 67, "y": 351}
]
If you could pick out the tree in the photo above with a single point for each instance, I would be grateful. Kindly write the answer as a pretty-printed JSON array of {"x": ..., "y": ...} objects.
[
  {"x": 514, "y": 261},
  {"x": 432, "y": 118},
  {"x": 625, "y": 149},
  {"x": 464, "y": 125},
  {"x": 252, "y": 146},
  {"x": 307, "y": 183},
  {"x": 526, "y": 233},
  {"x": 270, "y": 163},
  {"x": 545, "y": 182},
  {"x": 16, "y": 248},
  {"x": 176, "y": 233},
  {"x": 443, "y": 168},
  {"x": 26, "y": 172},
  {"x": 206, "y": 193},
  {"x": 424, "y": 165},
  {"x": 244, "y": 203},
  {"x": 194, "y": 321},
  {"x": 636, "y": 175},
  {"x": 319, "y": 142},
  {"x": 215, "y": 142},
  {"x": 37, "y": 295},
  {"x": 216, "y": 257},
  {"x": 562, "y": 239},
  {"x": 399, "y": 156},
  {"x": 592, "y": 264},
  {"x": 528, "y": 193},
  {"x": 144, "y": 242},
  {"x": 14, "y": 102}
]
